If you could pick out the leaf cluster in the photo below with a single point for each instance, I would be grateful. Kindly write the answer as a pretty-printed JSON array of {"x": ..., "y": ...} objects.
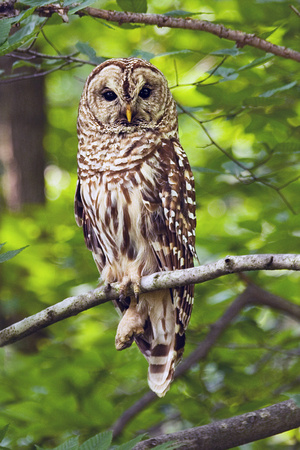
[{"x": 239, "y": 122}]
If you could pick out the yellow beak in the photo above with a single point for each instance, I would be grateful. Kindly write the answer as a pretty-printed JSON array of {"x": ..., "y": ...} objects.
[{"x": 128, "y": 113}]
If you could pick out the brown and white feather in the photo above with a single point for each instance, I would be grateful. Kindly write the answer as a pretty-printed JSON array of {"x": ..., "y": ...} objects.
[{"x": 135, "y": 200}]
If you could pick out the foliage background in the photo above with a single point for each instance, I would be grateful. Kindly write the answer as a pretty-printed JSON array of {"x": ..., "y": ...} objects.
[{"x": 69, "y": 379}]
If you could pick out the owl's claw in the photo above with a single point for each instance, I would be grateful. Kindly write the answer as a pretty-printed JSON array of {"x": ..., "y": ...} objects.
[
  {"x": 129, "y": 327},
  {"x": 136, "y": 290},
  {"x": 127, "y": 281},
  {"x": 124, "y": 300},
  {"x": 107, "y": 288}
]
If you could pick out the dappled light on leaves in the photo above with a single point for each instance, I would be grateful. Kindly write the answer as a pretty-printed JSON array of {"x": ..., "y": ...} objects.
[{"x": 239, "y": 122}]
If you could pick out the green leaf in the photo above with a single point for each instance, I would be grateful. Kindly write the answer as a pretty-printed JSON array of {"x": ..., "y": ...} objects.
[
  {"x": 287, "y": 147},
  {"x": 191, "y": 109},
  {"x": 138, "y": 6},
  {"x": 37, "y": 3},
  {"x": 182, "y": 13},
  {"x": 261, "y": 101},
  {"x": 130, "y": 445},
  {"x": 87, "y": 50},
  {"x": 252, "y": 225},
  {"x": 257, "y": 62},
  {"x": 81, "y": 6},
  {"x": 101, "y": 441},
  {"x": 206, "y": 170},
  {"x": 22, "y": 36},
  {"x": 10, "y": 254},
  {"x": 226, "y": 73},
  {"x": 4, "y": 429},
  {"x": 279, "y": 89},
  {"x": 177, "y": 52},
  {"x": 233, "y": 168},
  {"x": 142, "y": 54},
  {"x": 296, "y": 398},
  {"x": 70, "y": 444},
  {"x": 22, "y": 16},
  {"x": 5, "y": 25},
  {"x": 23, "y": 63},
  {"x": 267, "y": 34},
  {"x": 233, "y": 51}
]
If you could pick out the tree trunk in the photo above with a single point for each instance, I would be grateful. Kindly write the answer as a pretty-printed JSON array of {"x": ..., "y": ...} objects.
[{"x": 22, "y": 121}]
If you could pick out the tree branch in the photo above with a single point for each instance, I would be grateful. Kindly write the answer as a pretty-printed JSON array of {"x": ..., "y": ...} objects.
[
  {"x": 221, "y": 31},
  {"x": 197, "y": 355},
  {"x": 252, "y": 295},
  {"x": 238, "y": 430},
  {"x": 73, "y": 305},
  {"x": 162, "y": 20}
]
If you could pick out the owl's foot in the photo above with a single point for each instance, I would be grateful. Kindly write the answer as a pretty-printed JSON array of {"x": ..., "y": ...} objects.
[
  {"x": 107, "y": 288},
  {"x": 123, "y": 289},
  {"x": 126, "y": 282},
  {"x": 137, "y": 288},
  {"x": 131, "y": 325}
]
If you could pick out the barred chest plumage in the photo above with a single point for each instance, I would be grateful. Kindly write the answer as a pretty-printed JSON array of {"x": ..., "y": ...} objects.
[
  {"x": 135, "y": 201},
  {"x": 106, "y": 152},
  {"x": 122, "y": 203}
]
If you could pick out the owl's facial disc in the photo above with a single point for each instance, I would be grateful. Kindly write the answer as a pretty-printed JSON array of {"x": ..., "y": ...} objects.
[{"x": 131, "y": 98}]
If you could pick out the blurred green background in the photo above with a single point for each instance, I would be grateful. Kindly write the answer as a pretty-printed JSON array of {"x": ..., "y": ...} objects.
[{"x": 239, "y": 121}]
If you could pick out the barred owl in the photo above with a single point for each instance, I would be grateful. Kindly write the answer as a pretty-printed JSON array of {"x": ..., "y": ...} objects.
[{"x": 135, "y": 200}]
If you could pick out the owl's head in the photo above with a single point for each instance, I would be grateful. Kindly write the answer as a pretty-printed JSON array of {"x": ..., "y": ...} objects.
[{"x": 126, "y": 95}]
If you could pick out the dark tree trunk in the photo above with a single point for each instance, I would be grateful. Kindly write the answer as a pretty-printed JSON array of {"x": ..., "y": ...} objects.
[{"x": 22, "y": 121}]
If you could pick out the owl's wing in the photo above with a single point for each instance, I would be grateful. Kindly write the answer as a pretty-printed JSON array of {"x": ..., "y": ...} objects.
[
  {"x": 89, "y": 231},
  {"x": 171, "y": 211}
]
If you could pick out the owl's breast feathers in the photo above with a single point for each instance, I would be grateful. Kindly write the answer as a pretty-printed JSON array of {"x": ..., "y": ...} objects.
[{"x": 137, "y": 209}]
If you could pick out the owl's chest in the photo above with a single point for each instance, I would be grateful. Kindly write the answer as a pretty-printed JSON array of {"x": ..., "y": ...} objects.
[{"x": 119, "y": 209}]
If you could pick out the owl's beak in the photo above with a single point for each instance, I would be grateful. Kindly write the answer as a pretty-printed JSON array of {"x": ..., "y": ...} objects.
[{"x": 128, "y": 113}]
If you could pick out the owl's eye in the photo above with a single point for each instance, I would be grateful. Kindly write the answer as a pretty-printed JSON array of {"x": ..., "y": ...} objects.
[
  {"x": 109, "y": 96},
  {"x": 145, "y": 92}
]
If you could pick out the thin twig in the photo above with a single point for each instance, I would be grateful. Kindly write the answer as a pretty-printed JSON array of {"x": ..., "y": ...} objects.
[
  {"x": 295, "y": 10},
  {"x": 252, "y": 177},
  {"x": 33, "y": 75},
  {"x": 242, "y": 39}
]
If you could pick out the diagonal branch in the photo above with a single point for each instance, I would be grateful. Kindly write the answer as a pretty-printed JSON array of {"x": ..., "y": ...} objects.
[
  {"x": 238, "y": 430},
  {"x": 252, "y": 295},
  {"x": 199, "y": 354},
  {"x": 164, "y": 20},
  {"x": 74, "y": 305},
  {"x": 187, "y": 23}
]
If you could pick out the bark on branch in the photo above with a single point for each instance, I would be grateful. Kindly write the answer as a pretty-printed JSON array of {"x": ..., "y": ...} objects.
[
  {"x": 187, "y": 23},
  {"x": 251, "y": 295},
  {"x": 73, "y": 305},
  {"x": 219, "y": 30},
  {"x": 238, "y": 430},
  {"x": 161, "y": 20}
]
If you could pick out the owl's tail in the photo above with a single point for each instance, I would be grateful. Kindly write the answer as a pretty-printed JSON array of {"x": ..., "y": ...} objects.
[{"x": 160, "y": 344}]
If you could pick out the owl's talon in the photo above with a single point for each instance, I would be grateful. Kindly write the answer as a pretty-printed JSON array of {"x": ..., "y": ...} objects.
[
  {"x": 107, "y": 288},
  {"x": 121, "y": 344},
  {"x": 122, "y": 299},
  {"x": 131, "y": 325},
  {"x": 125, "y": 340}
]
